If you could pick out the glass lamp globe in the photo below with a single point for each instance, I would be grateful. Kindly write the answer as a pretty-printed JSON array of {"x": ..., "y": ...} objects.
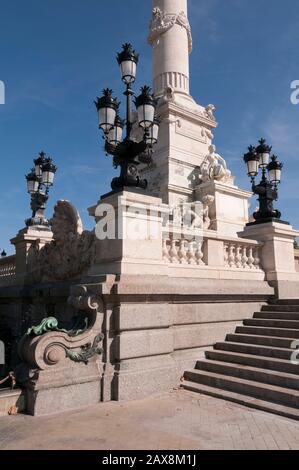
[
  {"x": 252, "y": 161},
  {"x": 107, "y": 108},
  {"x": 146, "y": 106},
  {"x": 128, "y": 60}
]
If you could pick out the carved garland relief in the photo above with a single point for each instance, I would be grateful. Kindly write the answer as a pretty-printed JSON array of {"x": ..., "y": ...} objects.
[{"x": 163, "y": 22}]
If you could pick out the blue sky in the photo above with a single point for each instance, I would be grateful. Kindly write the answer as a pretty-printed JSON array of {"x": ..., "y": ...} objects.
[{"x": 56, "y": 56}]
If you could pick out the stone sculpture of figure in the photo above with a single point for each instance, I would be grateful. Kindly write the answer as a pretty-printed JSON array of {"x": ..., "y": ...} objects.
[
  {"x": 169, "y": 94},
  {"x": 214, "y": 167},
  {"x": 210, "y": 111},
  {"x": 69, "y": 253},
  {"x": 199, "y": 214},
  {"x": 207, "y": 201}
]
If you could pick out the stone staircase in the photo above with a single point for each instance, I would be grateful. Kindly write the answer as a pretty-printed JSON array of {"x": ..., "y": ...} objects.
[{"x": 253, "y": 366}]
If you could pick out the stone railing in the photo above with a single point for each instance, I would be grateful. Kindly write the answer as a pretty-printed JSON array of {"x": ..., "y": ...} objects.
[
  {"x": 296, "y": 254},
  {"x": 210, "y": 250},
  {"x": 242, "y": 254},
  {"x": 8, "y": 266},
  {"x": 183, "y": 251}
]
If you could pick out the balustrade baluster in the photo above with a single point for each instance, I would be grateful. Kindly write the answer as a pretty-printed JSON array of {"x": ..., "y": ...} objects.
[
  {"x": 165, "y": 250},
  {"x": 191, "y": 253},
  {"x": 244, "y": 257},
  {"x": 250, "y": 258},
  {"x": 199, "y": 254},
  {"x": 226, "y": 248},
  {"x": 182, "y": 254},
  {"x": 256, "y": 257},
  {"x": 238, "y": 257},
  {"x": 231, "y": 256},
  {"x": 173, "y": 252}
]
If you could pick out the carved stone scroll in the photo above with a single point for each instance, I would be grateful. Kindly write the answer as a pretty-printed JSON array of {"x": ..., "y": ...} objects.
[{"x": 46, "y": 345}]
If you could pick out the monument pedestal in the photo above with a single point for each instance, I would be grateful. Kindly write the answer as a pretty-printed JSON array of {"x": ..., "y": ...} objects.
[
  {"x": 128, "y": 234},
  {"x": 24, "y": 242},
  {"x": 278, "y": 259}
]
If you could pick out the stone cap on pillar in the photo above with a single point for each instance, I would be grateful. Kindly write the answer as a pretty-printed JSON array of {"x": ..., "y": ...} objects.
[
  {"x": 31, "y": 234},
  {"x": 269, "y": 230}
]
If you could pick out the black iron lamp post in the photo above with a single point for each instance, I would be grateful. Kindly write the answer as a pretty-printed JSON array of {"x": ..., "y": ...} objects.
[
  {"x": 39, "y": 181},
  {"x": 128, "y": 153},
  {"x": 267, "y": 190}
]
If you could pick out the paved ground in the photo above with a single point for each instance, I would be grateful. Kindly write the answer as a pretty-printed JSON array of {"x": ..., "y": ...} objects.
[{"x": 179, "y": 420}]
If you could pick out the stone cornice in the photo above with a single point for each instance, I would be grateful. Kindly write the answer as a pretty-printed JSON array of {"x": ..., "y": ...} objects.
[{"x": 186, "y": 113}]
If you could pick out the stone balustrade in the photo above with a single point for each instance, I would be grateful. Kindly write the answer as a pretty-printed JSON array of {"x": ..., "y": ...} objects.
[
  {"x": 183, "y": 251},
  {"x": 7, "y": 266},
  {"x": 204, "y": 251},
  {"x": 242, "y": 255}
]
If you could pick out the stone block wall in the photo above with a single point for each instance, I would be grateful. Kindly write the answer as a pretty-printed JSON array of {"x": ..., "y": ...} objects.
[{"x": 157, "y": 329}]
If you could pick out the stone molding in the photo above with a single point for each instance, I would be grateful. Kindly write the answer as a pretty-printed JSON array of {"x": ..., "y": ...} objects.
[{"x": 197, "y": 114}]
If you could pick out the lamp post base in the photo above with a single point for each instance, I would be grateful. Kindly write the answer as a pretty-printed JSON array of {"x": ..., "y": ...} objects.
[
  {"x": 126, "y": 156},
  {"x": 37, "y": 221},
  {"x": 129, "y": 177},
  {"x": 119, "y": 184},
  {"x": 125, "y": 189},
  {"x": 267, "y": 221}
]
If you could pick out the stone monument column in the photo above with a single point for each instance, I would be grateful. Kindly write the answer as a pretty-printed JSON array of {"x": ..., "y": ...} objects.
[
  {"x": 186, "y": 164},
  {"x": 170, "y": 37}
]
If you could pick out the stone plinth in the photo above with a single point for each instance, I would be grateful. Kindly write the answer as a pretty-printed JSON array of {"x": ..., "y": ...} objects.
[
  {"x": 229, "y": 211},
  {"x": 129, "y": 234},
  {"x": 278, "y": 258},
  {"x": 60, "y": 369},
  {"x": 23, "y": 242}
]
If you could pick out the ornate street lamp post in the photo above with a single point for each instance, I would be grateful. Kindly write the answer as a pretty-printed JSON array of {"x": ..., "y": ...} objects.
[
  {"x": 39, "y": 181},
  {"x": 128, "y": 153},
  {"x": 258, "y": 158}
]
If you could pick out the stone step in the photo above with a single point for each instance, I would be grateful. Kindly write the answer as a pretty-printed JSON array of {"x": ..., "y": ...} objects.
[
  {"x": 288, "y": 324},
  {"x": 241, "y": 399},
  {"x": 254, "y": 361},
  {"x": 256, "y": 350},
  {"x": 286, "y": 302},
  {"x": 276, "y": 342},
  {"x": 250, "y": 373},
  {"x": 281, "y": 308},
  {"x": 263, "y": 331},
  {"x": 272, "y": 393},
  {"x": 277, "y": 315},
  {"x": 11, "y": 398}
]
